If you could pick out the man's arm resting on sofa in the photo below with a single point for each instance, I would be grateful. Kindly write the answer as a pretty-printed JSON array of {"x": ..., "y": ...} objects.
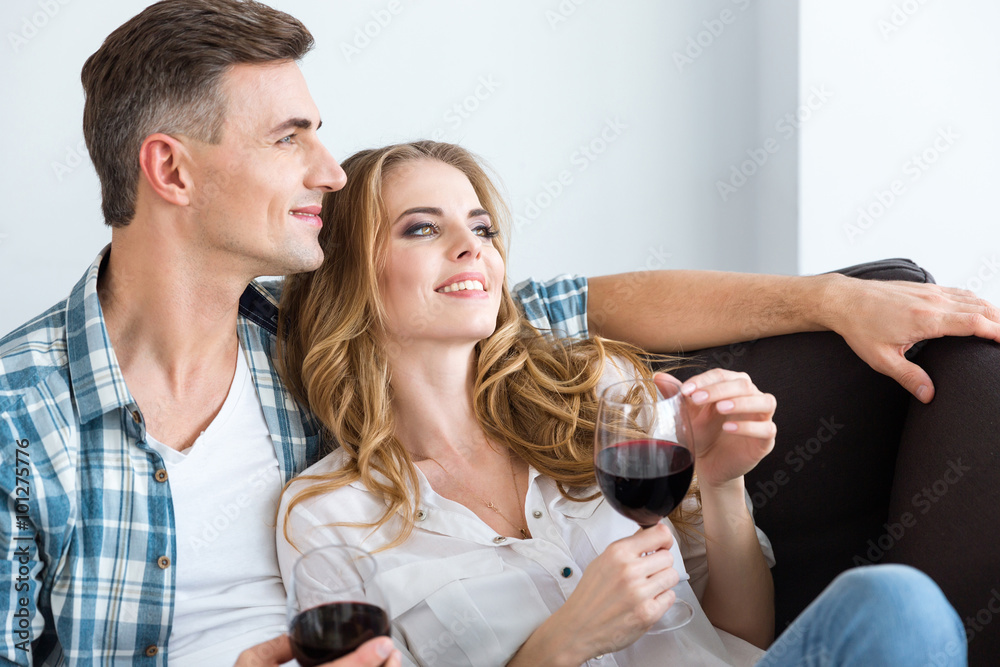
[{"x": 681, "y": 310}]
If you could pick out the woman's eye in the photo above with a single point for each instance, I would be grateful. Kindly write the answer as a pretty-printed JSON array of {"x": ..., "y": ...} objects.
[
  {"x": 485, "y": 231},
  {"x": 421, "y": 229}
]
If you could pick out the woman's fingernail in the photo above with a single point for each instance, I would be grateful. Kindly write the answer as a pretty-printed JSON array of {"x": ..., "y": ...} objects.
[
  {"x": 725, "y": 406},
  {"x": 729, "y": 426},
  {"x": 687, "y": 388},
  {"x": 699, "y": 396},
  {"x": 922, "y": 392}
]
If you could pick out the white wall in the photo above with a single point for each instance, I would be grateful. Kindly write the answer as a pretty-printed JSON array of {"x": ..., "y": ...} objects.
[
  {"x": 561, "y": 70},
  {"x": 836, "y": 96},
  {"x": 915, "y": 105}
]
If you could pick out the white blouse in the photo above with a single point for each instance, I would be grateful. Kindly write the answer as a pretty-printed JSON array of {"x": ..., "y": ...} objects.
[{"x": 459, "y": 594}]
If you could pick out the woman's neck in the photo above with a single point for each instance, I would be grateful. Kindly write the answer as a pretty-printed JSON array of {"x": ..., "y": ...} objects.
[{"x": 432, "y": 401}]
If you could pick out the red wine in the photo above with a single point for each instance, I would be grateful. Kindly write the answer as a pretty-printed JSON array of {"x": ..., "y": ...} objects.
[
  {"x": 331, "y": 631},
  {"x": 645, "y": 479}
]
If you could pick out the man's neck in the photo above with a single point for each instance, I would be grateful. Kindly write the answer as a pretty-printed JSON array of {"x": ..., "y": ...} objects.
[{"x": 171, "y": 318}]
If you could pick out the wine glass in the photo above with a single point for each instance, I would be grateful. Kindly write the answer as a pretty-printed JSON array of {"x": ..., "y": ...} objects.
[
  {"x": 328, "y": 612},
  {"x": 644, "y": 459}
]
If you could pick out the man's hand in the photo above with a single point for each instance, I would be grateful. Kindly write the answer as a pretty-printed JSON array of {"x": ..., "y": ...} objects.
[
  {"x": 375, "y": 653},
  {"x": 680, "y": 310},
  {"x": 881, "y": 320}
]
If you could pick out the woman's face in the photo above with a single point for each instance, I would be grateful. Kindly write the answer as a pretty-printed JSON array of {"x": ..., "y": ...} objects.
[{"x": 443, "y": 277}]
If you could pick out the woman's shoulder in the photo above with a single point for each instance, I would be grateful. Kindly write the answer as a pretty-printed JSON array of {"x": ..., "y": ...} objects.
[
  {"x": 332, "y": 462},
  {"x": 313, "y": 499}
]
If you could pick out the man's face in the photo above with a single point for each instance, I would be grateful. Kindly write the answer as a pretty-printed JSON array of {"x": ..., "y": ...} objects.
[{"x": 258, "y": 192}]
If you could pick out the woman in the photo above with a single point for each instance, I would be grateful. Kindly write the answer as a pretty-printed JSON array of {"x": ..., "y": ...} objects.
[{"x": 466, "y": 459}]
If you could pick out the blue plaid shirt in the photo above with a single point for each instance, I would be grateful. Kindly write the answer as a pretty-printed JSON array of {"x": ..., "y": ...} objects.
[{"x": 88, "y": 537}]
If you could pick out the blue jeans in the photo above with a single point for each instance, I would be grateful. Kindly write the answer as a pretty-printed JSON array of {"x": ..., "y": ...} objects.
[{"x": 874, "y": 615}]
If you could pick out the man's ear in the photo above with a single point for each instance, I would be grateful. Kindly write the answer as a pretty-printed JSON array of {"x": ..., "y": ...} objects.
[{"x": 164, "y": 162}]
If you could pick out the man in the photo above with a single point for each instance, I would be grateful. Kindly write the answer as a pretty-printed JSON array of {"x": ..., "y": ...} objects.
[{"x": 144, "y": 431}]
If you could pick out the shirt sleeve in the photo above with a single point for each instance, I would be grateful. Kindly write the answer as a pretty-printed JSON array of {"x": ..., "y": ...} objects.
[{"x": 557, "y": 306}]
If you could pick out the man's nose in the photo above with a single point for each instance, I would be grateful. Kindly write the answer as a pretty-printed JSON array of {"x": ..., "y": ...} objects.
[{"x": 326, "y": 173}]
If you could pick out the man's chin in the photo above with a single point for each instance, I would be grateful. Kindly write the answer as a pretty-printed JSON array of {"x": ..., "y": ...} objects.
[{"x": 300, "y": 263}]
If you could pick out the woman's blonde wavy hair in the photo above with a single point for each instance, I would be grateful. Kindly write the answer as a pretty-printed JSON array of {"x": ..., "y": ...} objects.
[{"x": 532, "y": 393}]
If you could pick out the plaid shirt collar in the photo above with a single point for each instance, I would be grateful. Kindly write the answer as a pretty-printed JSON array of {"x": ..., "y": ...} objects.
[
  {"x": 99, "y": 387},
  {"x": 95, "y": 376}
]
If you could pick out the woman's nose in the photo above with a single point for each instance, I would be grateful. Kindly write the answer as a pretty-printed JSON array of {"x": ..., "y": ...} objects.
[{"x": 468, "y": 245}]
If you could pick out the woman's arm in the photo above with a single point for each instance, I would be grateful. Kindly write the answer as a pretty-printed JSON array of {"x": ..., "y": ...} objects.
[
  {"x": 739, "y": 595},
  {"x": 733, "y": 431}
]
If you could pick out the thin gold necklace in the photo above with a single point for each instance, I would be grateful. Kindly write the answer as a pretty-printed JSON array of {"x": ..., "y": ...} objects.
[{"x": 510, "y": 461}]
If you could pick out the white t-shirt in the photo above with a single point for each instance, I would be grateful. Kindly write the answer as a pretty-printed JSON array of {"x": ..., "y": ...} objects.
[
  {"x": 459, "y": 594},
  {"x": 225, "y": 491}
]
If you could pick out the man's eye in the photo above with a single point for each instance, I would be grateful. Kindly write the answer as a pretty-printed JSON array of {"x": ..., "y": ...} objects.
[{"x": 286, "y": 140}]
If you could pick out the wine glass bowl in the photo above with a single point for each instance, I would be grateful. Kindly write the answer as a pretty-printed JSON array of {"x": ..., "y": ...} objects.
[
  {"x": 329, "y": 612},
  {"x": 644, "y": 458}
]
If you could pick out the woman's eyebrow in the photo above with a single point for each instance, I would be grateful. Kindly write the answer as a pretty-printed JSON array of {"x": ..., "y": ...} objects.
[
  {"x": 430, "y": 210},
  {"x": 433, "y": 210}
]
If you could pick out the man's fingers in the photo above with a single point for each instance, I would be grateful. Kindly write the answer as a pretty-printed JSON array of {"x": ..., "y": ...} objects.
[
  {"x": 913, "y": 378},
  {"x": 978, "y": 324},
  {"x": 269, "y": 654},
  {"x": 372, "y": 653}
]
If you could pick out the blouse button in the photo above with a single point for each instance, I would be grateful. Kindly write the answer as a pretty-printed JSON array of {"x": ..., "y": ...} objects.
[
  {"x": 499, "y": 539},
  {"x": 151, "y": 651},
  {"x": 567, "y": 572},
  {"x": 537, "y": 514},
  {"x": 136, "y": 417},
  {"x": 421, "y": 515},
  {"x": 163, "y": 562},
  {"x": 160, "y": 476},
  {"x": 598, "y": 657}
]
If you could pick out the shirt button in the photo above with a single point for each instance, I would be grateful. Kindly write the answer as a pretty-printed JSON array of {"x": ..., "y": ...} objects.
[
  {"x": 499, "y": 539},
  {"x": 137, "y": 418},
  {"x": 163, "y": 562},
  {"x": 537, "y": 514},
  {"x": 598, "y": 657},
  {"x": 151, "y": 651},
  {"x": 160, "y": 476},
  {"x": 567, "y": 572},
  {"x": 421, "y": 515}
]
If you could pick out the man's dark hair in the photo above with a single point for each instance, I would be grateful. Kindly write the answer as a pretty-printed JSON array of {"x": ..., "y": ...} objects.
[{"x": 161, "y": 72}]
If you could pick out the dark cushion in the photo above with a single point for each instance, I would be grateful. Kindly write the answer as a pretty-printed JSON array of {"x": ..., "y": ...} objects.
[{"x": 822, "y": 495}]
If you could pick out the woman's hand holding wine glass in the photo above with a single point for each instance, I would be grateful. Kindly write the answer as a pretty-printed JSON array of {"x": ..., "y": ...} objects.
[
  {"x": 732, "y": 423},
  {"x": 622, "y": 593}
]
